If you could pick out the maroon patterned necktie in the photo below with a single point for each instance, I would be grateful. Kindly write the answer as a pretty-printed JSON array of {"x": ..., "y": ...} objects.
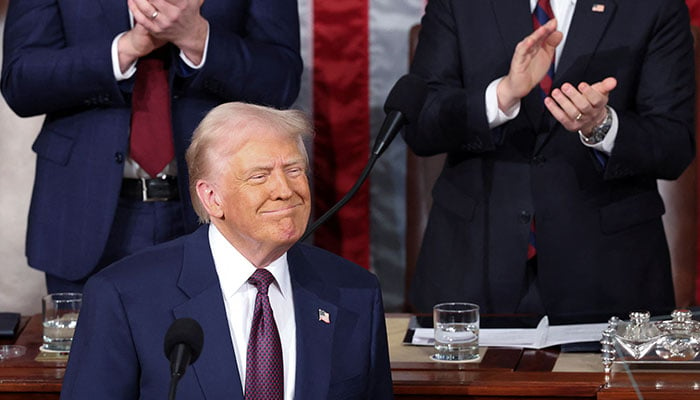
[
  {"x": 151, "y": 141},
  {"x": 264, "y": 376}
]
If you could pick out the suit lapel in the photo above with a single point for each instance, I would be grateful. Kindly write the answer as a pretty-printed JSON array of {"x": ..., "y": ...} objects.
[
  {"x": 201, "y": 284},
  {"x": 514, "y": 21},
  {"x": 586, "y": 29},
  {"x": 315, "y": 338},
  {"x": 314, "y": 344}
]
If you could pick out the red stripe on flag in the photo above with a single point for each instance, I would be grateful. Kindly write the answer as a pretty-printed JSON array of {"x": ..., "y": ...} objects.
[
  {"x": 694, "y": 10},
  {"x": 341, "y": 117}
]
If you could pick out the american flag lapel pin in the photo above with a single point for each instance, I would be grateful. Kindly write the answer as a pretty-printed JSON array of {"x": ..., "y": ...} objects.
[
  {"x": 324, "y": 316},
  {"x": 599, "y": 8}
]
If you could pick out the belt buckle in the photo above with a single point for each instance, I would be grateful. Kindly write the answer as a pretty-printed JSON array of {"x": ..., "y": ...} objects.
[{"x": 144, "y": 193}]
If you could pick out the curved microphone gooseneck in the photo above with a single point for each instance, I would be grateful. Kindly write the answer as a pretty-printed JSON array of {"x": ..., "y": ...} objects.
[{"x": 402, "y": 106}]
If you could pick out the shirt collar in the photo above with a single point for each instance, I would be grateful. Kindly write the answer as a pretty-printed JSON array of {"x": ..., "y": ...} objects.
[
  {"x": 234, "y": 269},
  {"x": 533, "y": 3}
]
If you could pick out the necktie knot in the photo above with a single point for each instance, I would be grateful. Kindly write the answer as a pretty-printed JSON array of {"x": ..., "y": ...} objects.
[{"x": 261, "y": 279}]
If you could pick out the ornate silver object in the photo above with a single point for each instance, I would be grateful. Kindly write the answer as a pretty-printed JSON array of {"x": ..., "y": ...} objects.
[
  {"x": 638, "y": 335},
  {"x": 677, "y": 339},
  {"x": 680, "y": 338}
]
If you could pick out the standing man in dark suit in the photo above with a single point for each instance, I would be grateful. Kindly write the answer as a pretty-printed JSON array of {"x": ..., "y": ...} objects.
[
  {"x": 82, "y": 63},
  {"x": 576, "y": 171},
  {"x": 248, "y": 179}
]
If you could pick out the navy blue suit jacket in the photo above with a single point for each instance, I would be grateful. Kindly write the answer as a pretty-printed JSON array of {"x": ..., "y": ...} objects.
[
  {"x": 117, "y": 351},
  {"x": 600, "y": 241},
  {"x": 57, "y": 62}
]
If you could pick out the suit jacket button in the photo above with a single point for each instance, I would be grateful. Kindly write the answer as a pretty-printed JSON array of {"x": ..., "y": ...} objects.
[
  {"x": 525, "y": 217},
  {"x": 119, "y": 157}
]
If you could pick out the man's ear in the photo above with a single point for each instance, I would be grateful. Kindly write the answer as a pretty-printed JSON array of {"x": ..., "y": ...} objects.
[{"x": 210, "y": 199}]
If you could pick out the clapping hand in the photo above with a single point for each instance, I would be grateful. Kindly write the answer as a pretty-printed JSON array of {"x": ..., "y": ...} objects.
[
  {"x": 176, "y": 21},
  {"x": 531, "y": 59},
  {"x": 580, "y": 108}
]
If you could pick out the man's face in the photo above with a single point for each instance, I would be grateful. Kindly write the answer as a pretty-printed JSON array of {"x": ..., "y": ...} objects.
[{"x": 265, "y": 196}]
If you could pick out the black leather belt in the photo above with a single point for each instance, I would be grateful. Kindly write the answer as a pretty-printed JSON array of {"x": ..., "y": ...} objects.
[{"x": 158, "y": 189}]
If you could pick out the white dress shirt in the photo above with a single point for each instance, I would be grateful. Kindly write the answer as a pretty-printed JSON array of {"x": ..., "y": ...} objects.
[
  {"x": 239, "y": 299},
  {"x": 563, "y": 11}
]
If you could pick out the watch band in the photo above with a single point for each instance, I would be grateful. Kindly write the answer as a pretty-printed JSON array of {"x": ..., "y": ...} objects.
[{"x": 598, "y": 133}]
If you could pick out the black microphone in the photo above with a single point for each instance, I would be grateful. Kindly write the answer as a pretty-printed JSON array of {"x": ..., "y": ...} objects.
[
  {"x": 183, "y": 344},
  {"x": 402, "y": 106}
]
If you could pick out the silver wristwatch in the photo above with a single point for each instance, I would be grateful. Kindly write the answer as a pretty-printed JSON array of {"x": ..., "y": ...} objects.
[{"x": 598, "y": 133}]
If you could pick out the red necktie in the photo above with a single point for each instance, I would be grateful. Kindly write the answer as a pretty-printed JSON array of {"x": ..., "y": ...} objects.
[
  {"x": 540, "y": 15},
  {"x": 151, "y": 142},
  {"x": 264, "y": 376}
]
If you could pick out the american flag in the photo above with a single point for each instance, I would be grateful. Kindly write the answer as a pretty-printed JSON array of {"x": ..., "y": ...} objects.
[
  {"x": 598, "y": 8},
  {"x": 324, "y": 316},
  {"x": 349, "y": 69}
]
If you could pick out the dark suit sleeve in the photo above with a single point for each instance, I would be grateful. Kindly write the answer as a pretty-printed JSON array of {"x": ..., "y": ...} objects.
[
  {"x": 380, "y": 386},
  {"x": 454, "y": 115},
  {"x": 257, "y": 62},
  {"x": 656, "y": 134},
  {"x": 56, "y": 59},
  {"x": 43, "y": 73},
  {"x": 103, "y": 362}
]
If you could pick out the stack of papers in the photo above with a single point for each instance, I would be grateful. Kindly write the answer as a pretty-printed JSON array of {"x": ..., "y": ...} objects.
[{"x": 540, "y": 337}]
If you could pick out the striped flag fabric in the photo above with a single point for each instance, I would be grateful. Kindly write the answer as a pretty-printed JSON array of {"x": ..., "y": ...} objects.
[{"x": 354, "y": 52}]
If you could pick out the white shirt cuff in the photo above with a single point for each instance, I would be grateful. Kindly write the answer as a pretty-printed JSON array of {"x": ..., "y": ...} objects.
[
  {"x": 189, "y": 63},
  {"x": 118, "y": 75},
  {"x": 494, "y": 115}
]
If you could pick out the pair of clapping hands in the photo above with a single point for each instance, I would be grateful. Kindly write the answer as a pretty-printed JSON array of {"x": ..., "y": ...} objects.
[
  {"x": 157, "y": 22},
  {"x": 578, "y": 108}
]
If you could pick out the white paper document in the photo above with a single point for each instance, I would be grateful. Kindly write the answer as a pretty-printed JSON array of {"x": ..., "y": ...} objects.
[{"x": 532, "y": 338}]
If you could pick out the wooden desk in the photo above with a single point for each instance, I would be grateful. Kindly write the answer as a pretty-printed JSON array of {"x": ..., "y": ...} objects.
[
  {"x": 501, "y": 374},
  {"x": 24, "y": 377},
  {"x": 525, "y": 374}
]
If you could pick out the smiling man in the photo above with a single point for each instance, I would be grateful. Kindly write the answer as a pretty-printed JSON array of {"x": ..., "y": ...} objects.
[{"x": 281, "y": 320}]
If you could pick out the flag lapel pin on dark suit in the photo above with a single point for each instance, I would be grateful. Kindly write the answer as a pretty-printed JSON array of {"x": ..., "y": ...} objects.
[{"x": 324, "y": 316}]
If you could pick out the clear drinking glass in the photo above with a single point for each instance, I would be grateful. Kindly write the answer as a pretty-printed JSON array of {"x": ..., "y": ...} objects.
[
  {"x": 60, "y": 315},
  {"x": 456, "y": 331}
]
